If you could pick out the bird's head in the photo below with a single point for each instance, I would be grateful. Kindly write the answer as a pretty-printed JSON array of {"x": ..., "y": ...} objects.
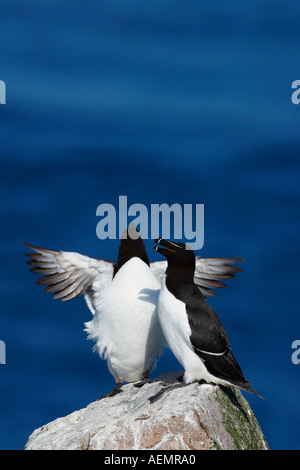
[
  {"x": 131, "y": 245},
  {"x": 179, "y": 255}
]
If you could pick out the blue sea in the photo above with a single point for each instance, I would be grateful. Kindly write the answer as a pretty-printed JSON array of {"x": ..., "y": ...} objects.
[{"x": 162, "y": 102}]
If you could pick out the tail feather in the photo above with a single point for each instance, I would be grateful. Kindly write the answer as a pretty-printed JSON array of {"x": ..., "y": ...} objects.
[
  {"x": 226, "y": 367},
  {"x": 246, "y": 386}
]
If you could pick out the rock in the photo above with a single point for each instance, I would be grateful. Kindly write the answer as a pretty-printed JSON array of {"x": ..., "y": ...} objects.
[{"x": 192, "y": 417}]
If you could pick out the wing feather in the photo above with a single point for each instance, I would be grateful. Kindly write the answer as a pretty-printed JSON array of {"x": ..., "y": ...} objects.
[
  {"x": 68, "y": 274},
  {"x": 209, "y": 272}
]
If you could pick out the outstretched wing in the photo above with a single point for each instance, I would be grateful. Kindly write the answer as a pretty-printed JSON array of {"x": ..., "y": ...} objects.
[
  {"x": 68, "y": 274},
  {"x": 209, "y": 272}
]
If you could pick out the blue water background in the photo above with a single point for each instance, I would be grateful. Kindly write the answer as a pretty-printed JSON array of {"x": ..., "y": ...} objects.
[{"x": 186, "y": 102}]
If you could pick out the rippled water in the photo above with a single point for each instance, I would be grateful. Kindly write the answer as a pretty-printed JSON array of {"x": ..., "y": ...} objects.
[{"x": 163, "y": 103}]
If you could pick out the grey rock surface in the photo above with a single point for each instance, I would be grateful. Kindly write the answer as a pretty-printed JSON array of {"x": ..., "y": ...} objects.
[{"x": 192, "y": 417}]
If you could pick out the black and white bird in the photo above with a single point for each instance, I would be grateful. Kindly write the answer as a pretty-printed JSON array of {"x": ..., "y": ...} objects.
[
  {"x": 122, "y": 298},
  {"x": 191, "y": 327}
]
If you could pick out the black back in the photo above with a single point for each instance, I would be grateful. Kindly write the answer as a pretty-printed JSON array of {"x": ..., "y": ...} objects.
[{"x": 207, "y": 331}]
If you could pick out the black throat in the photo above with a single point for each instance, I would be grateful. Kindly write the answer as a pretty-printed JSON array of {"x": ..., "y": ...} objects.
[
  {"x": 130, "y": 248},
  {"x": 180, "y": 279}
]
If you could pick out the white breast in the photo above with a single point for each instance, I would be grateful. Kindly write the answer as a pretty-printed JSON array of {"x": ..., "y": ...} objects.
[
  {"x": 177, "y": 331},
  {"x": 125, "y": 326}
]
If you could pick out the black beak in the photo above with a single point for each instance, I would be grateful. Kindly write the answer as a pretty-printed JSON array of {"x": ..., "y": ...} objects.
[{"x": 167, "y": 246}]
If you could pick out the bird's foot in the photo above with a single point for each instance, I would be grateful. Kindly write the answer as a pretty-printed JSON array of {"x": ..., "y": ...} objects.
[
  {"x": 166, "y": 388},
  {"x": 115, "y": 391},
  {"x": 179, "y": 379},
  {"x": 142, "y": 382}
]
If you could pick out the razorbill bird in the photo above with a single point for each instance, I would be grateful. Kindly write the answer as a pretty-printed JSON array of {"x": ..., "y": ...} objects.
[
  {"x": 191, "y": 327},
  {"x": 122, "y": 298}
]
